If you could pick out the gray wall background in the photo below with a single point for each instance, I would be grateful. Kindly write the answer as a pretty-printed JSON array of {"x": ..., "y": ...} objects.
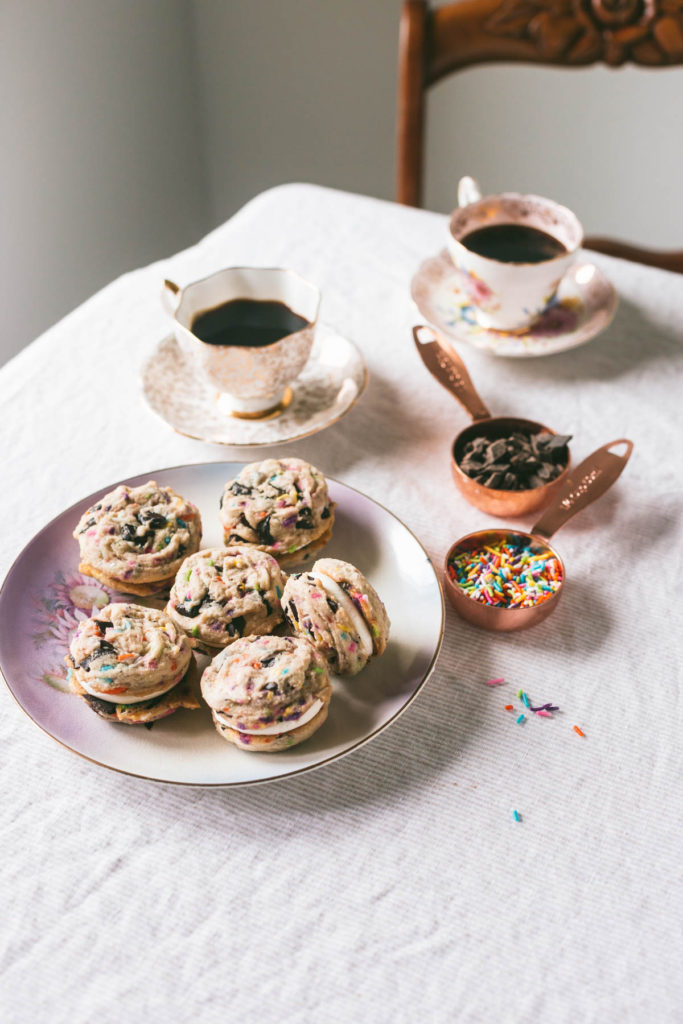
[{"x": 130, "y": 129}]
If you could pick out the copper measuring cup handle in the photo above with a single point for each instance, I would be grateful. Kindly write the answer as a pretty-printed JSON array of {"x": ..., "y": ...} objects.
[
  {"x": 450, "y": 371},
  {"x": 583, "y": 486}
]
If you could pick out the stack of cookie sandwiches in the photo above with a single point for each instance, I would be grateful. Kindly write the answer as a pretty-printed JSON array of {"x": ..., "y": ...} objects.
[{"x": 274, "y": 638}]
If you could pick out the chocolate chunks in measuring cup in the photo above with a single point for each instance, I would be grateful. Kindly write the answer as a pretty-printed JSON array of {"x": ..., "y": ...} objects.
[{"x": 516, "y": 463}]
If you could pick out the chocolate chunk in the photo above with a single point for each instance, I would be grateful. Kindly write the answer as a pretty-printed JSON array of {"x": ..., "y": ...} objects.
[
  {"x": 189, "y": 611},
  {"x": 236, "y": 488},
  {"x": 325, "y": 514},
  {"x": 266, "y": 662},
  {"x": 103, "y": 647},
  {"x": 236, "y": 626},
  {"x": 493, "y": 480},
  {"x": 537, "y": 440},
  {"x": 263, "y": 531},
  {"x": 557, "y": 441},
  {"x": 498, "y": 449},
  {"x": 102, "y": 625},
  {"x": 305, "y": 519},
  {"x": 103, "y": 708},
  {"x": 153, "y": 520},
  {"x": 295, "y": 614},
  {"x": 332, "y": 605},
  {"x": 129, "y": 532}
]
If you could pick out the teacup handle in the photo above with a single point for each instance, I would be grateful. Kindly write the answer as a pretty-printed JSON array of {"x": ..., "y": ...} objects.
[
  {"x": 583, "y": 486},
  {"x": 468, "y": 191},
  {"x": 450, "y": 371},
  {"x": 171, "y": 294}
]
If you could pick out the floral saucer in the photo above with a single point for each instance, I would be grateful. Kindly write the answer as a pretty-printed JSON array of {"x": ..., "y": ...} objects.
[
  {"x": 328, "y": 386},
  {"x": 583, "y": 306}
]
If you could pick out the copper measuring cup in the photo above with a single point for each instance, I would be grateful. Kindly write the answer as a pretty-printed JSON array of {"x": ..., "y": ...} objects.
[
  {"x": 588, "y": 481},
  {"x": 448, "y": 368}
]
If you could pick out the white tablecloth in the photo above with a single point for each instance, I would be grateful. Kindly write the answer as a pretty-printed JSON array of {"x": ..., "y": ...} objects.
[{"x": 393, "y": 885}]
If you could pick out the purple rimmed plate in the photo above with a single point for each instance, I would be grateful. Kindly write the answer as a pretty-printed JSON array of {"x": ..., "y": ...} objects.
[{"x": 44, "y": 596}]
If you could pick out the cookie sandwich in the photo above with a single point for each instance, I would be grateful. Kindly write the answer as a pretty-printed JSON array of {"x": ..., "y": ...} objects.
[
  {"x": 281, "y": 505},
  {"x": 134, "y": 539},
  {"x": 267, "y": 693},
  {"x": 222, "y": 594},
  {"x": 130, "y": 664},
  {"x": 340, "y": 612}
]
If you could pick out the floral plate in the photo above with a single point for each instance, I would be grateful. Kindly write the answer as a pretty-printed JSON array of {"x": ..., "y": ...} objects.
[
  {"x": 44, "y": 596},
  {"x": 583, "y": 306}
]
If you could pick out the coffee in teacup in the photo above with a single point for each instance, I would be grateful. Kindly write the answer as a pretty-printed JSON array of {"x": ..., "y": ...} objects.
[
  {"x": 248, "y": 331},
  {"x": 512, "y": 251}
]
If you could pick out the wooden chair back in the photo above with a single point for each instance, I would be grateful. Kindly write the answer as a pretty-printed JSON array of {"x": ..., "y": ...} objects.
[{"x": 435, "y": 42}]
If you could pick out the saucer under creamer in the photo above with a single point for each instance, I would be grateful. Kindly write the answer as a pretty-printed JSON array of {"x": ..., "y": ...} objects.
[
  {"x": 583, "y": 305},
  {"x": 329, "y": 385}
]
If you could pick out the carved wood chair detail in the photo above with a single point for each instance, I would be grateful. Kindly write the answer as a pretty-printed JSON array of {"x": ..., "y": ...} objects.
[{"x": 435, "y": 42}]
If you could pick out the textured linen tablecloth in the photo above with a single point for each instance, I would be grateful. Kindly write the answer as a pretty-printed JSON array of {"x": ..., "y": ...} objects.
[{"x": 392, "y": 885}]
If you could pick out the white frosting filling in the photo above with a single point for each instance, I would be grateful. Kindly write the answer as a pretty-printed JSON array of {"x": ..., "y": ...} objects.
[
  {"x": 334, "y": 591},
  {"x": 279, "y": 727},
  {"x": 124, "y": 698}
]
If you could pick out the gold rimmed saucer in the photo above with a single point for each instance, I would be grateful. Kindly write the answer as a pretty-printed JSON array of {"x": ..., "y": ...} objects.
[{"x": 327, "y": 388}]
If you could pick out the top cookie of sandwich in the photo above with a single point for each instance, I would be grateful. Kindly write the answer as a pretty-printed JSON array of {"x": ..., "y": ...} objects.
[
  {"x": 134, "y": 539},
  {"x": 282, "y": 505},
  {"x": 222, "y": 594}
]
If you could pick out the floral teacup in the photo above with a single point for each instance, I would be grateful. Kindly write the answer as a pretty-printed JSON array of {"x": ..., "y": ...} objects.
[{"x": 510, "y": 295}]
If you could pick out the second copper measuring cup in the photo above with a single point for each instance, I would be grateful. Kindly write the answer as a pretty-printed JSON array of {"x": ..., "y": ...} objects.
[{"x": 448, "y": 368}]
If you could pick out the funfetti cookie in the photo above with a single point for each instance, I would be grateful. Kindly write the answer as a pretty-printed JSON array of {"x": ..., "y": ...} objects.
[
  {"x": 130, "y": 664},
  {"x": 281, "y": 505},
  {"x": 267, "y": 693},
  {"x": 222, "y": 594},
  {"x": 134, "y": 539},
  {"x": 335, "y": 606}
]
